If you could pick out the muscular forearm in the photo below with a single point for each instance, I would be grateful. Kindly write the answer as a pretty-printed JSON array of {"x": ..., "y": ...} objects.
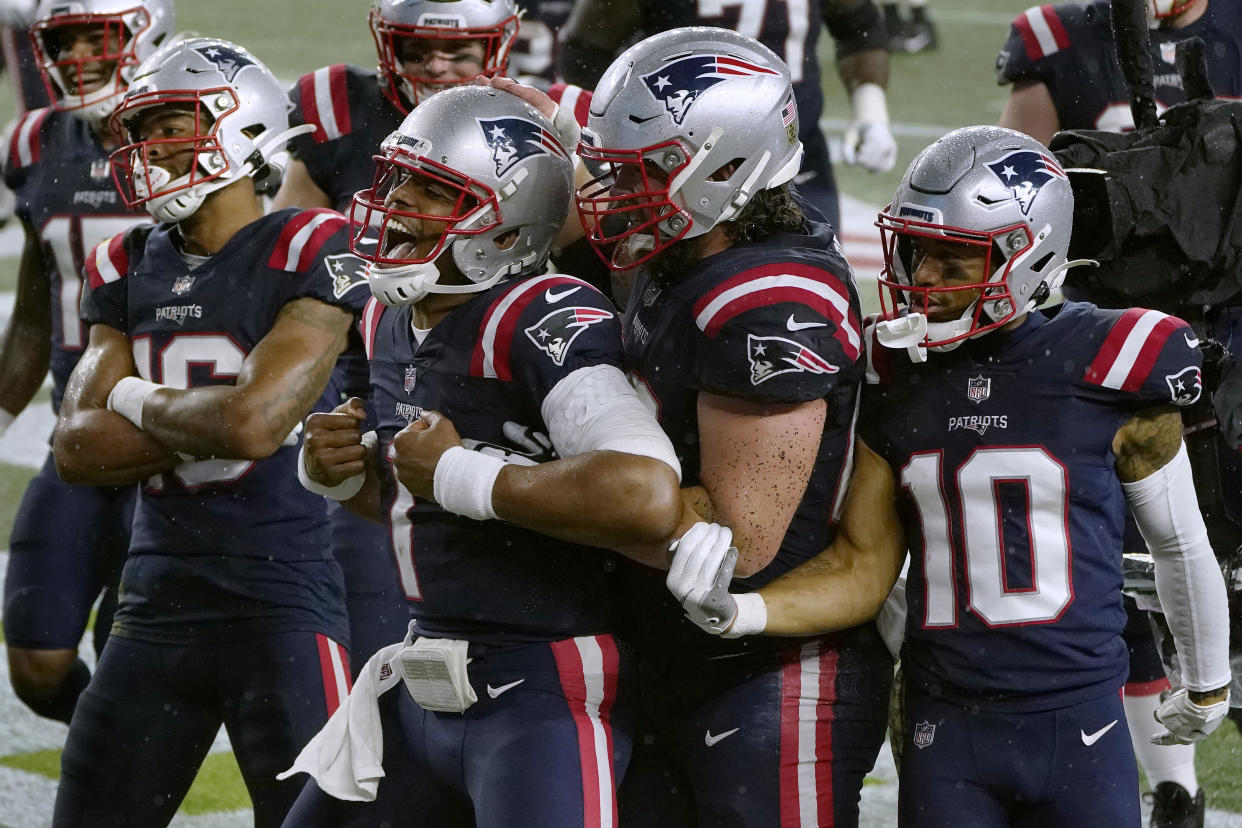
[
  {"x": 23, "y": 364},
  {"x": 602, "y": 499},
  {"x": 100, "y": 448},
  {"x": 870, "y": 66}
]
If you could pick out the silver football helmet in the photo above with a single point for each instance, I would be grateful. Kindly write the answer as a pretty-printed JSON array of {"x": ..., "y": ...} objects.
[
  {"x": 667, "y": 119},
  {"x": 987, "y": 186},
  {"x": 91, "y": 85},
  {"x": 241, "y": 119},
  {"x": 501, "y": 179},
  {"x": 492, "y": 23}
]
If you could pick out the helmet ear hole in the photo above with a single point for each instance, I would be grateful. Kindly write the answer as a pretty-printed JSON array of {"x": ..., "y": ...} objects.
[
  {"x": 727, "y": 170},
  {"x": 1039, "y": 264}
]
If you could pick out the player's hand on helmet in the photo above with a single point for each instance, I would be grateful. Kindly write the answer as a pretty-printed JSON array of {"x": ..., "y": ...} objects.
[
  {"x": 332, "y": 449},
  {"x": 416, "y": 451},
  {"x": 700, "y": 573},
  {"x": 567, "y": 128},
  {"x": 870, "y": 145},
  {"x": 1186, "y": 721}
]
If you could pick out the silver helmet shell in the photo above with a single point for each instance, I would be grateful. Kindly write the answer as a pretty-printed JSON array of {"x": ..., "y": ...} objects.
[
  {"x": 492, "y": 23},
  {"x": 131, "y": 31},
  {"x": 511, "y": 178},
  {"x": 688, "y": 102},
  {"x": 241, "y": 117},
  {"x": 987, "y": 186}
]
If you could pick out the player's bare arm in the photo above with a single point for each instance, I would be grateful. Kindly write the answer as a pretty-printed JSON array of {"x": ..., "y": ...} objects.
[
  {"x": 755, "y": 461},
  {"x": 599, "y": 498},
  {"x": 91, "y": 444},
  {"x": 278, "y": 383},
  {"x": 297, "y": 189},
  {"x": 27, "y": 347},
  {"x": 841, "y": 587},
  {"x": 1030, "y": 109},
  {"x": 333, "y": 452}
]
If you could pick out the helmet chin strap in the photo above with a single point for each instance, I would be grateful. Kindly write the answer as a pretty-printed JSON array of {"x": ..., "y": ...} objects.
[{"x": 396, "y": 285}]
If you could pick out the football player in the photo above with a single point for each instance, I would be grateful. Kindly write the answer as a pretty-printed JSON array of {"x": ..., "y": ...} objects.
[
  {"x": 483, "y": 366},
  {"x": 597, "y": 29},
  {"x": 422, "y": 46},
  {"x": 1065, "y": 73},
  {"x": 1004, "y": 445},
  {"x": 743, "y": 330},
  {"x": 212, "y": 334},
  {"x": 68, "y": 542}
]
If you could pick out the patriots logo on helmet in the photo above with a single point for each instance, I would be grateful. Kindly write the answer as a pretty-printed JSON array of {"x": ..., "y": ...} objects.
[
  {"x": 228, "y": 61},
  {"x": 513, "y": 139},
  {"x": 1024, "y": 172},
  {"x": 678, "y": 84},
  {"x": 556, "y": 332},
  {"x": 771, "y": 356}
]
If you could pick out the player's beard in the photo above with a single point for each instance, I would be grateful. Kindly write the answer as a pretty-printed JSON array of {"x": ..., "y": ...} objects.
[{"x": 677, "y": 260}]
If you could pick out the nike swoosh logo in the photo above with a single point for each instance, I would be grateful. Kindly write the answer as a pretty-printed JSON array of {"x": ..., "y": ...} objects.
[
  {"x": 792, "y": 325},
  {"x": 639, "y": 120},
  {"x": 1090, "y": 739},
  {"x": 709, "y": 739},
  {"x": 1191, "y": 343},
  {"x": 553, "y": 297},
  {"x": 505, "y": 688}
]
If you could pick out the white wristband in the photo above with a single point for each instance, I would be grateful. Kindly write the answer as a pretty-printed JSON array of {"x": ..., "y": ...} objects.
[
  {"x": 129, "y": 395},
  {"x": 6, "y": 420},
  {"x": 463, "y": 482},
  {"x": 344, "y": 490},
  {"x": 870, "y": 104},
  {"x": 568, "y": 130},
  {"x": 752, "y": 615}
]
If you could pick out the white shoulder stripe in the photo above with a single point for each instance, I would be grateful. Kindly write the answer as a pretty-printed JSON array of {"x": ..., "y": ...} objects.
[
  {"x": 26, "y": 138},
  {"x": 103, "y": 262},
  {"x": 498, "y": 314},
  {"x": 1126, "y": 358},
  {"x": 839, "y": 302},
  {"x": 1039, "y": 27},
  {"x": 323, "y": 103},
  {"x": 302, "y": 236}
]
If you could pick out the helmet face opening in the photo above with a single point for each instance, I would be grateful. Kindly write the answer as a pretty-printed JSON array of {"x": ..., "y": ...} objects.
[
  {"x": 140, "y": 168},
  {"x": 984, "y": 305},
  {"x": 385, "y": 234},
  {"x": 631, "y": 199},
  {"x": 405, "y": 49},
  {"x": 76, "y": 77}
]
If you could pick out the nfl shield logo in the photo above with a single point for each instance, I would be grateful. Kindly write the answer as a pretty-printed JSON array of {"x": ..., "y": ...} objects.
[
  {"x": 924, "y": 732},
  {"x": 978, "y": 388},
  {"x": 182, "y": 284},
  {"x": 408, "y": 385},
  {"x": 1168, "y": 52},
  {"x": 100, "y": 170}
]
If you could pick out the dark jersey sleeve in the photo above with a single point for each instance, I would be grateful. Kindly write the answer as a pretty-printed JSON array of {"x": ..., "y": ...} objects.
[
  {"x": 1147, "y": 358},
  {"x": 1038, "y": 45},
  {"x": 567, "y": 325},
  {"x": 788, "y": 336},
  {"x": 24, "y": 147},
  {"x": 105, "y": 298},
  {"x": 313, "y": 246}
]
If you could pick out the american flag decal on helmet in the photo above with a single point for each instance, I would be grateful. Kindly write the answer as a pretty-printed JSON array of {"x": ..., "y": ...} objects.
[
  {"x": 771, "y": 356},
  {"x": 678, "y": 84},
  {"x": 513, "y": 139},
  {"x": 1024, "y": 172}
]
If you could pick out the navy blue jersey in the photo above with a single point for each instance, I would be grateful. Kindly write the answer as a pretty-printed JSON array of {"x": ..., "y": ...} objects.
[
  {"x": 223, "y": 543},
  {"x": 1011, "y": 504},
  {"x": 487, "y": 366},
  {"x": 352, "y": 118},
  {"x": 1069, "y": 47},
  {"x": 774, "y": 321},
  {"x": 534, "y": 53},
  {"x": 18, "y": 59},
  {"x": 789, "y": 29},
  {"x": 63, "y": 184}
]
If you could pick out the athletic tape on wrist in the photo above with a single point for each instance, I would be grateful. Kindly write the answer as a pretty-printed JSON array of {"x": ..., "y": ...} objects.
[
  {"x": 344, "y": 490},
  {"x": 463, "y": 483},
  {"x": 870, "y": 104},
  {"x": 752, "y": 615},
  {"x": 128, "y": 397}
]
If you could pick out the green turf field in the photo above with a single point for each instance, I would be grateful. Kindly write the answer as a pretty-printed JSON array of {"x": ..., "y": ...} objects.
[{"x": 928, "y": 95}]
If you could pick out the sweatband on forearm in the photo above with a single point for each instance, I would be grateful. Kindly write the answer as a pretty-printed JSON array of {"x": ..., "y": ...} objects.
[
  {"x": 463, "y": 481},
  {"x": 128, "y": 397}
]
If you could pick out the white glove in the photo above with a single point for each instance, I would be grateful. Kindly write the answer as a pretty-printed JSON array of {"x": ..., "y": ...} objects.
[
  {"x": 868, "y": 141},
  {"x": 1186, "y": 722},
  {"x": 700, "y": 574}
]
